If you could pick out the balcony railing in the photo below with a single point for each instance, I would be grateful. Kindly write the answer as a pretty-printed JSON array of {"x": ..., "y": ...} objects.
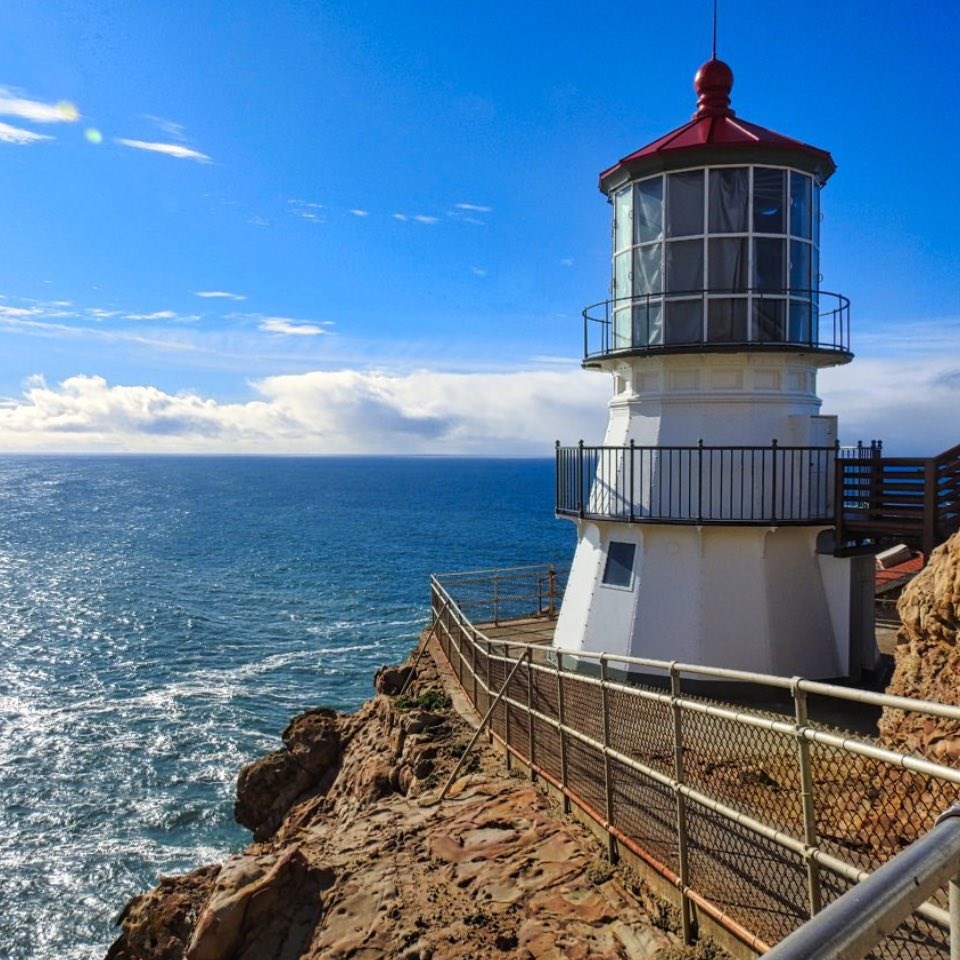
[
  {"x": 745, "y": 318},
  {"x": 769, "y": 486}
]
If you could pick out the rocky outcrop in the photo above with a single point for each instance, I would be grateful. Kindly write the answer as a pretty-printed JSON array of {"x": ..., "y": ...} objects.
[
  {"x": 354, "y": 857},
  {"x": 926, "y": 658}
]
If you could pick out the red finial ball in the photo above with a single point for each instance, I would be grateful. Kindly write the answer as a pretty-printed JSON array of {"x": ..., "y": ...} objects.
[{"x": 713, "y": 83}]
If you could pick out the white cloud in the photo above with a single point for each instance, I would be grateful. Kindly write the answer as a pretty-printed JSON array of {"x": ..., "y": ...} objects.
[
  {"x": 170, "y": 149},
  {"x": 473, "y": 207},
  {"x": 291, "y": 327},
  {"x": 12, "y": 105},
  {"x": 479, "y": 271},
  {"x": 171, "y": 129},
  {"x": 11, "y": 134},
  {"x": 400, "y": 216},
  {"x": 164, "y": 315},
  {"x": 423, "y": 218},
  {"x": 219, "y": 295},
  {"x": 566, "y": 262},
  {"x": 360, "y": 213},
  {"x": 345, "y": 411}
]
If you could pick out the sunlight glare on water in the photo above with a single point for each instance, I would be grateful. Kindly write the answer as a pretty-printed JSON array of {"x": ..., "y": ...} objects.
[{"x": 161, "y": 619}]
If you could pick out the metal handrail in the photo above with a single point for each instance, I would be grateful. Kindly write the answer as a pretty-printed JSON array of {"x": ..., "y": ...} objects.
[
  {"x": 871, "y": 910},
  {"x": 827, "y": 329},
  {"x": 583, "y": 731}
]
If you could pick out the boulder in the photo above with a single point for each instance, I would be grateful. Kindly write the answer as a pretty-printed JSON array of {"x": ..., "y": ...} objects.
[{"x": 308, "y": 761}]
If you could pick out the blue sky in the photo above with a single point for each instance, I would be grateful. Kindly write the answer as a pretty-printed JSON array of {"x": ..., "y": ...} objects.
[{"x": 350, "y": 226}]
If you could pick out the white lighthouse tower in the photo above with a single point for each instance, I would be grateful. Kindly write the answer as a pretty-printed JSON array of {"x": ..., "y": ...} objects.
[{"x": 705, "y": 519}]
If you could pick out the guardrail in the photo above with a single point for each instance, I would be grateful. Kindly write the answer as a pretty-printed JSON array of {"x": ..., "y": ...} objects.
[
  {"x": 851, "y": 926},
  {"x": 758, "y": 812},
  {"x": 916, "y": 499},
  {"x": 764, "y": 485}
]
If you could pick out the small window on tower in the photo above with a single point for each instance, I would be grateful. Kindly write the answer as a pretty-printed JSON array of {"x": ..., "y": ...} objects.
[{"x": 618, "y": 571}]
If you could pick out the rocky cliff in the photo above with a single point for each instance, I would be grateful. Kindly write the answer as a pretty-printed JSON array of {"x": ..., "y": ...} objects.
[
  {"x": 353, "y": 857},
  {"x": 926, "y": 658}
]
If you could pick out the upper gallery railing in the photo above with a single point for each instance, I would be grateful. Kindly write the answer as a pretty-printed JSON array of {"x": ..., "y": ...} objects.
[
  {"x": 770, "y": 485},
  {"x": 717, "y": 319}
]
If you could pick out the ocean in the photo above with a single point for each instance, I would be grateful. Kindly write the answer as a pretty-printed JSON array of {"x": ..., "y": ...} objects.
[{"x": 162, "y": 618}]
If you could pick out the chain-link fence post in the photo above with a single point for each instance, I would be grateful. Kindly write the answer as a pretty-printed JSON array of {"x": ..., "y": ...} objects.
[
  {"x": 810, "y": 837},
  {"x": 563, "y": 732},
  {"x": 955, "y": 917},
  {"x": 607, "y": 782},
  {"x": 531, "y": 744},
  {"x": 506, "y": 712},
  {"x": 686, "y": 919}
]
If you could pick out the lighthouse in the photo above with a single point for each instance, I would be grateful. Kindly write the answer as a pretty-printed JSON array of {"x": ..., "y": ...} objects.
[{"x": 705, "y": 519}]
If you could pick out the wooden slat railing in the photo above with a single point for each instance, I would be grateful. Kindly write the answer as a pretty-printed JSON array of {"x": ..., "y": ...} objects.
[{"x": 913, "y": 499}]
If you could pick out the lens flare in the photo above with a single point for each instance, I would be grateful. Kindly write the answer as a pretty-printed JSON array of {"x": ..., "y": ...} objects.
[
  {"x": 93, "y": 135},
  {"x": 68, "y": 111}
]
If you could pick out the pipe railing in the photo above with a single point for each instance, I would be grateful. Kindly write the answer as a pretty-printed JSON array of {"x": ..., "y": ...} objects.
[
  {"x": 865, "y": 915},
  {"x": 755, "y": 815}
]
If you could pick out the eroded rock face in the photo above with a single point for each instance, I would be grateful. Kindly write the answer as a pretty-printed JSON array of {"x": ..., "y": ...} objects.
[
  {"x": 358, "y": 861},
  {"x": 267, "y": 788},
  {"x": 926, "y": 658}
]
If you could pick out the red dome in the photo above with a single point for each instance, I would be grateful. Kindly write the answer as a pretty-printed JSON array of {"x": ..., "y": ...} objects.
[{"x": 715, "y": 135}]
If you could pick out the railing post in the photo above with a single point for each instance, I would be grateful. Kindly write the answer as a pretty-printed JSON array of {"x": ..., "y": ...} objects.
[
  {"x": 531, "y": 745},
  {"x": 496, "y": 597},
  {"x": 810, "y": 837},
  {"x": 773, "y": 484},
  {"x": 506, "y": 711},
  {"x": 563, "y": 733},
  {"x": 580, "y": 504},
  {"x": 473, "y": 671},
  {"x": 557, "y": 485},
  {"x": 929, "y": 508},
  {"x": 685, "y": 914},
  {"x": 632, "y": 477},
  {"x": 552, "y": 589},
  {"x": 954, "y": 907},
  {"x": 607, "y": 783},
  {"x": 700, "y": 481}
]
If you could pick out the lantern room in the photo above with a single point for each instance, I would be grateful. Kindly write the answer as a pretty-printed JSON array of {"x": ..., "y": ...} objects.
[{"x": 716, "y": 241}]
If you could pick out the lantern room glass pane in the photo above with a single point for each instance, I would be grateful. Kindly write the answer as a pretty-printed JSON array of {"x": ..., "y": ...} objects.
[
  {"x": 728, "y": 263},
  {"x": 800, "y": 279},
  {"x": 684, "y": 321},
  {"x": 622, "y": 276},
  {"x": 648, "y": 324},
  {"x": 648, "y": 210},
  {"x": 729, "y": 200},
  {"x": 623, "y": 219},
  {"x": 800, "y": 325},
  {"x": 769, "y": 190},
  {"x": 648, "y": 269},
  {"x": 768, "y": 264},
  {"x": 685, "y": 203},
  {"x": 727, "y": 320},
  {"x": 622, "y": 329},
  {"x": 684, "y": 263},
  {"x": 801, "y": 205},
  {"x": 815, "y": 216},
  {"x": 768, "y": 319}
]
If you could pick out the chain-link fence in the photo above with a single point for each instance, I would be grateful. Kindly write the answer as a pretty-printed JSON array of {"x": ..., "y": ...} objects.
[{"x": 741, "y": 789}]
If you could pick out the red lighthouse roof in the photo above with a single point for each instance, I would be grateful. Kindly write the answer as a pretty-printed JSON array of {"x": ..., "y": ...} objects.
[{"x": 716, "y": 135}]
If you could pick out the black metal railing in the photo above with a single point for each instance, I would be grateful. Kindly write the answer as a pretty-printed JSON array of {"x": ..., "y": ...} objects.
[
  {"x": 718, "y": 319},
  {"x": 771, "y": 485}
]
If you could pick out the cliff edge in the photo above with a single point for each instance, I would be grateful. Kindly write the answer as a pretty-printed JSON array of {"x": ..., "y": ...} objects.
[
  {"x": 352, "y": 856},
  {"x": 926, "y": 658}
]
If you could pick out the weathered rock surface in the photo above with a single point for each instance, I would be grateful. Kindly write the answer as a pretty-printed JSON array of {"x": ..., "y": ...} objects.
[
  {"x": 355, "y": 858},
  {"x": 926, "y": 658}
]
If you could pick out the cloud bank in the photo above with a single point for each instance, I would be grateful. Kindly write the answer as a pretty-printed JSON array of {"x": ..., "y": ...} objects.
[{"x": 321, "y": 412}]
